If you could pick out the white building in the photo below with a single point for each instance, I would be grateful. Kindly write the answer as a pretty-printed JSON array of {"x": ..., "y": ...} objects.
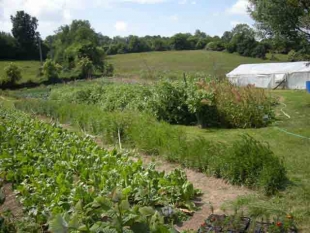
[{"x": 291, "y": 75}]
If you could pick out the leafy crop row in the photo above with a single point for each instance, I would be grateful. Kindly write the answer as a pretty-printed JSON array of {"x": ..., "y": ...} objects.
[
  {"x": 246, "y": 162},
  {"x": 66, "y": 183},
  {"x": 207, "y": 103}
]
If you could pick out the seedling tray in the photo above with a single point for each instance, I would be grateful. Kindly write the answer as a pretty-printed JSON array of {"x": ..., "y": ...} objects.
[
  {"x": 263, "y": 227},
  {"x": 222, "y": 223}
]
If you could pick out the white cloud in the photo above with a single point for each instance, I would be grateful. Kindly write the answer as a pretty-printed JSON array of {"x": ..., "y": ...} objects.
[
  {"x": 54, "y": 13},
  {"x": 174, "y": 18},
  {"x": 193, "y": 2},
  {"x": 121, "y": 26},
  {"x": 239, "y": 8},
  {"x": 182, "y": 2}
]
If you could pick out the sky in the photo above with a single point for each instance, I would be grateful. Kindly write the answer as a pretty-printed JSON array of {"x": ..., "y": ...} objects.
[{"x": 132, "y": 17}]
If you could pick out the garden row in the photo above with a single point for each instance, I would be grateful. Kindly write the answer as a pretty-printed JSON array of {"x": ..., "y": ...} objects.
[
  {"x": 66, "y": 183},
  {"x": 192, "y": 101},
  {"x": 246, "y": 162}
]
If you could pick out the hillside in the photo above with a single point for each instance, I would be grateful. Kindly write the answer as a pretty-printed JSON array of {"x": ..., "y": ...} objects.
[{"x": 177, "y": 62}]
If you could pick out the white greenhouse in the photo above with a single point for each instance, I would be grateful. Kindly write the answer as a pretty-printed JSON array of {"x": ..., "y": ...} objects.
[{"x": 290, "y": 75}]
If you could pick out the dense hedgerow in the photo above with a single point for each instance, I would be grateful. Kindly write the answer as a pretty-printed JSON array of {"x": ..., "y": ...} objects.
[
  {"x": 247, "y": 162},
  {"x": 218, "y": 104}
]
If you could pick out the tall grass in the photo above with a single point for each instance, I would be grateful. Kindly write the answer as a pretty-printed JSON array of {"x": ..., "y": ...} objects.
[{"x": 248, "y": 162}]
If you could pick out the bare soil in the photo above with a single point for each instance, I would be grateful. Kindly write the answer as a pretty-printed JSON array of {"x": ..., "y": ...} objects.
[{"x": 11, "y": 203}]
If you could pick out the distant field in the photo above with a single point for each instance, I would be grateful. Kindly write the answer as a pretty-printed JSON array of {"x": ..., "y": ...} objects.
[
  {"x": 29, "y": 69},
  {"x": 176, "y": 62},
  {"x": 171, "y": 62}
]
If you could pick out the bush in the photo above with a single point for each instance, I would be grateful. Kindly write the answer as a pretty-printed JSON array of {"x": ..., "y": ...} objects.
[
  {"x": 108, "y": 70},
  {"x": 12, "y": 75},
  {"x": 85, "y": 67},
  {"x": 168, "y": 103},
  {"x": 294, "y": 56},
  {"x": 251, "y": 163},
  {"x": 215, "y": 46},
  {"x": 51, "y": 70},
  {"x": 242, "y": 107}
]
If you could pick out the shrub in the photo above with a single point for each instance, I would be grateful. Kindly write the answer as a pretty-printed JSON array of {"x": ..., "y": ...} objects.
[
  {"x": 251, "y": 163},
  {"x": 51, "y": 70},
  {"x": 12, "y": 74},
  {"x": 108, "y": 70},
  {"x": 242, "y": 107},
  {"x": 168, "y": 103},
  {"x": 215, "y": 46},
  {"x": 85, "y": 67},
  {"x": 298, "y": 56}
]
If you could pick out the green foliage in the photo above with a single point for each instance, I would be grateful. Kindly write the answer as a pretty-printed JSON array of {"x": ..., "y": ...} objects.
[
  {"x": 76, "y": 48},
  {"x": 75, "y": 185},
  {"x": 285, "y": 18},
  {"x": 215, "y": 46},
  {"x": 85, "y": 67},
  {"x": 205, "y": 102},
  {"x": 242, "y": 107},
  {"x": 12, "y": 74},
  {"x": 243, "y": 41},
  {"x": 8, "y": 46},
  {"x": 51, "y": 70},
  {"x": 251, "y": 163},
  {"x": 294, "y": 56},
  {"x": 25, "y": 32},
  {"x": 145, "y": 133}
]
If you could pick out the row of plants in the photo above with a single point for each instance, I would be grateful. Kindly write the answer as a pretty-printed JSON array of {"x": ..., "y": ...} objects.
[
  {"x": 65, "y": 183},
  {"x": 208, "y": 103},
  {"x": 246, "y": 162}
]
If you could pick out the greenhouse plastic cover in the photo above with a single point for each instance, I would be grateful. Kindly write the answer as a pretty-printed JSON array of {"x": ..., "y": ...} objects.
[
  {"x": 270, "y": 68},
  {"x": 293, "y": 75}
]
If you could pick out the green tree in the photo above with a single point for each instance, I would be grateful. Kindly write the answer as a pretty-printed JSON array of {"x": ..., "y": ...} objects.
[
  {"x": 180, "y": 41},
  {"x": 288, "y": 18},
  {"x": 8, "y": 46},
  {"x": 24, "y": 31}
]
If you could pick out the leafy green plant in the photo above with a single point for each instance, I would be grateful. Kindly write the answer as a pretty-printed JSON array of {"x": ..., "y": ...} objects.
[
  {"x": 252, "y": 163},
  {"x": 67, "y": 173},
  {"x": 85, "y": 67},
  {"x": 51, "y": 70},
  {"x": 12, "y": 74}
]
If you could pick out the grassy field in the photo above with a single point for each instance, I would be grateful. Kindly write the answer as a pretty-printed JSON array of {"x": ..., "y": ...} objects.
[
  {"x": 177, "y": 62},
  {"x": 169, "y": 62},
  {"x": 29, "y": 69}
]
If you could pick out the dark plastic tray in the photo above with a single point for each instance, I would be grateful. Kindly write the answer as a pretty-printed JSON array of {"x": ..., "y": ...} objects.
[
  {"x": 222, "y": 223},
  {"x": 263, "y": 227}
]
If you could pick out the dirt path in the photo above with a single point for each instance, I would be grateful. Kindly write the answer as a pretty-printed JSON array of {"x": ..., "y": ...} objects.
[{"x": 11, "y": 202}]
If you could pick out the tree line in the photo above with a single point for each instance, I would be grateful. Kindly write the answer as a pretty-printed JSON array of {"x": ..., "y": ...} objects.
[{"x": 281, "y": 27}]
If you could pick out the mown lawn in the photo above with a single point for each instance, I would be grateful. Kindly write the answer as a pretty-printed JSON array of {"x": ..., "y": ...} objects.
[
  {"x": 29, "y": 70},
  {"x": 177, "y": 62},
  {"x": 294, "y": 150}
]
